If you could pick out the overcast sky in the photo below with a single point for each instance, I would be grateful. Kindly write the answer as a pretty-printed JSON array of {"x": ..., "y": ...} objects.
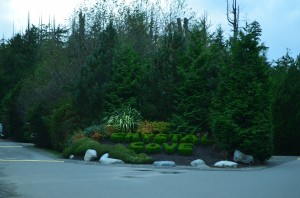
[{"x": 279, "y": 19}]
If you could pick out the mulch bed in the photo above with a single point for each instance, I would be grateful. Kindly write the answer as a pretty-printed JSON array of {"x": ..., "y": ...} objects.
[
  {"x": 205, "y": 153},
  {"x": 209, "y": 154}
]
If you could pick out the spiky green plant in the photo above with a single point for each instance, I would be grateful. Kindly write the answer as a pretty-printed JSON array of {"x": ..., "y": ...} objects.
[{"x": 126, "y": 119}]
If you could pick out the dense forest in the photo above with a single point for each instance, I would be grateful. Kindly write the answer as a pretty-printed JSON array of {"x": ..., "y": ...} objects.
[{"x": 161, "y": 60}]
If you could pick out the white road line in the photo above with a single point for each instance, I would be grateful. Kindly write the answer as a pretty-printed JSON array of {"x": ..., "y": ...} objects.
[
  {"x": 52, "y": 161},
  {"x": 11, "y": 146}
]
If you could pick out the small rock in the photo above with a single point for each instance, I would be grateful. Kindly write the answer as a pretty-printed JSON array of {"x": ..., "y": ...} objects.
[
  {"x": 226, "y": 164},
  {"x": 241, "y": 157},
  {"x": 164, "y": 164},
  {"x": 90, "y": 154},
  {"x": 197, "y": 162},
  {"x": 72, "y": 156}
]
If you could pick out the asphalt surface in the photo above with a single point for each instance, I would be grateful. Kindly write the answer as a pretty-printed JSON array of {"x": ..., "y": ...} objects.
[{"x": 28, "y": 172}]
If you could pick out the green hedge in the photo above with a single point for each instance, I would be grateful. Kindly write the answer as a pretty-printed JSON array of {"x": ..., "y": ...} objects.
[
  {"x": 185, "y": 149},
  {"x": 170, "y": 149},
  {"x": 147, "y": 138},
  {"x": 175, "y": 138},
  {"x": 138, "y": 147},
  {"x": 160, "y": 138},
  {"x": 132, "y": 137},
  {"x": 190, "y": 138},
  {"x": 152, "y": 148},
  {"x": 117, "y": 137}
]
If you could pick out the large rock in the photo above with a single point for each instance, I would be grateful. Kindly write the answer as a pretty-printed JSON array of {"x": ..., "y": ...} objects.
[
  {"x": 241, "y": 157},
  {"x": 197, "y": 163},
  {"x": 90, "y": 154},
  {"x": 104, "y": 159},
  {"x": 226, "y": 164},
  {"x": 164, "y": 164}
]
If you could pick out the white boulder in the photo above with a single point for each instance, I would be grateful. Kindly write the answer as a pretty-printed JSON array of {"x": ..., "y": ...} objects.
[
  {"x": 197, "y": 163},
  {"x": 90, "y": 154},
  {"x": 226, "y": 164},
  {"x": 164, "y": 164},
  {"x": 241, "y": 157},
  {"x": 105, "y": 156},
  {"x": 104, "y": 159},
  {"x": 72, "y": 156}
]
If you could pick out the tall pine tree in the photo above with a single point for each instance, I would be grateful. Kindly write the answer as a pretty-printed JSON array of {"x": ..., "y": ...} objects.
[
  {"x": 242, "y": 116},
  {"x": 286, "y": 106}
]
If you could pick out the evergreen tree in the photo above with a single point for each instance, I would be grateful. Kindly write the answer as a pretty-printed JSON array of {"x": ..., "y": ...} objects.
[
  {"x": 286, "y": 106},
  {"x": 241, "y": 118},
  {"x": 123, "y": 88},
  {"x": 95, "y": 74}
]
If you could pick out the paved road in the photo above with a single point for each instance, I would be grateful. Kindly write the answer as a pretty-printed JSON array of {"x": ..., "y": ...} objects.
[{"x": 28, "y": 172}]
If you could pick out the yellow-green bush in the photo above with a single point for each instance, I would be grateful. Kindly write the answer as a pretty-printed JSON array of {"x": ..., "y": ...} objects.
[
  {"x": 138, "y": 147},
  {"x": 185, "y": 149},
  {"x": 160, "y": 138},
  {"x": 117, "y": 137},
  {"x": 132, "y": 137},
  {"x": 152, "y": 148},
  {"x": 190, "y": 138},
  {"x": 170, "y": 149}
]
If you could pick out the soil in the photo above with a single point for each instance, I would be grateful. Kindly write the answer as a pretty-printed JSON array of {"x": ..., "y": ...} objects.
[{"x": 205, "y": 153}]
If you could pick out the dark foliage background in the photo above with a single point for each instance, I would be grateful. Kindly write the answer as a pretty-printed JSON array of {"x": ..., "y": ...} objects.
[{"x": 166, "y": 63}]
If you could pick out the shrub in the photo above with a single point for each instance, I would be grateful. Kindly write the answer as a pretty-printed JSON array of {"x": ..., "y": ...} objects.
[
  {"x": 152, "y": 148},
  {"x": 141, "y": 158},
  {"x": 138, "y": 147},
  {"x": 147, "y": 127},
  {"x": 95, "y": 129},
  {"x": 132, "y": 137},
  {"x": 129, "y": 156},
  {"x": 160, "y": 127},
  {"x": 160, "y": 138},
  {"x": 35, "y": 124},
  {"x": 126, "y": 119},
  {"x": 96, "y": 136},
  {"x": 110, "y": 129},
  {"x": 77, "y": 136},
  {"x": 121, "y": 152},
  {"x": 170, "y": 149},
  {"x": 117, "y": 137},
  {"x": 205, "y": 140},
  {"x": 80, "y": 147},
  {"x": 185, "y": 149},
  {"x": 147, "y": 137},
  {"x": 190, "y": 138},
  {"x": 117, "y": 151},
  {"x": 61, "y": 122},
  {"x": 175, "y": 138},
  {"x": 104, "y": 148}
]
